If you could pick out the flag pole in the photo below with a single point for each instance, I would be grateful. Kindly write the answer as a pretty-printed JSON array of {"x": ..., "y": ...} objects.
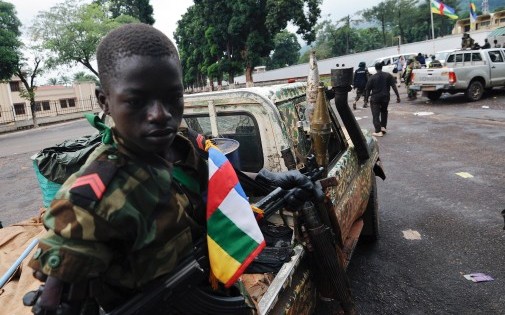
[{"x": 432, "y": 29}]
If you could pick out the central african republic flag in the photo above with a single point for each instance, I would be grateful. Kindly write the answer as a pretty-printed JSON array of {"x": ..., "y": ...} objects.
[{"x": 234, "y": 238}]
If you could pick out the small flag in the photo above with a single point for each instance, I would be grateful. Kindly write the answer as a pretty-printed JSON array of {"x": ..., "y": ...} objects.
[
  {"x": 234, "y": 238},
  {"x": 439, "y": 7},
  {"x": 473, "y": 15}
]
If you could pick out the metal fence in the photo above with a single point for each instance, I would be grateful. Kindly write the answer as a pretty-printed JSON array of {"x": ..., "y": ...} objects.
[{"x": 19, "y": 116}]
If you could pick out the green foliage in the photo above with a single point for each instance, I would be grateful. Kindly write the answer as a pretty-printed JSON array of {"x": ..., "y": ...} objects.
[
  {"x": 82, "y": 76},
  {"x": 9, "y": 43},
  {"x": 71, "y": 31},
  {"x": 237, "y": 34},
  {"x": 141, "y": 10},
  {"x": 286, "y": 49}
]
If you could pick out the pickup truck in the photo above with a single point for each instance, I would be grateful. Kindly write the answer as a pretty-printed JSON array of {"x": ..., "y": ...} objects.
[
  {"x": 269, "y": 122},
  {"x": 468, "y": 71},
  {"x": 272, "y": 128}
]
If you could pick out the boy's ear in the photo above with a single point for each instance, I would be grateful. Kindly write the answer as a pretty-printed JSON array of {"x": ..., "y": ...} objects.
[{"x": 102, "y": 99}]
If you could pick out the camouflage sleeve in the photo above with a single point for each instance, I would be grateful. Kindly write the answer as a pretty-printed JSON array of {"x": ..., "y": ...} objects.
[{"x": 75, "y": 247}]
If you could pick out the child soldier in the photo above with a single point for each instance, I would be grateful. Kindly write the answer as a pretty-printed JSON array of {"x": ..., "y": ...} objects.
[{"x": 132, "y": 212}]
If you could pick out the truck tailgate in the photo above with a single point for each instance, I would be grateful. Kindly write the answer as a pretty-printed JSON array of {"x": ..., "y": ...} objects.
[{"x": 437, "y": 76}]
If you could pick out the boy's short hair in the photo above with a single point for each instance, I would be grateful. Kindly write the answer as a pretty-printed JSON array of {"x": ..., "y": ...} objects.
[
  {"x": 129, "y": 40},
  {"x": 378, "y": 66}
]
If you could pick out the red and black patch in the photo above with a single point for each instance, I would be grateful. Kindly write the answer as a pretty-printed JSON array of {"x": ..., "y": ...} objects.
[{"x": 92, "y": 184}]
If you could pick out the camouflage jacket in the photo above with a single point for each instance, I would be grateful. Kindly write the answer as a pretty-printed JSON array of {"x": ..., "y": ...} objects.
[{"x": 123, "y": 220}]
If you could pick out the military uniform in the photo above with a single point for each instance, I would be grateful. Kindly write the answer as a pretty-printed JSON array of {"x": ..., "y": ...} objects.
[{"x": 122, "y": 221}]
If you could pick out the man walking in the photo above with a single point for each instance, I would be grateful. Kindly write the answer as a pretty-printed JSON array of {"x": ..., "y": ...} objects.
[
  {"x": 379, "y": 85},
  {"x": 360, "y": 79}
]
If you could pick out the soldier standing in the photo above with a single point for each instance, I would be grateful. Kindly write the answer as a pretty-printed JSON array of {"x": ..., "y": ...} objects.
[
  {"x": 360, "y": 79},
  {"x": 379, "y": 86}
]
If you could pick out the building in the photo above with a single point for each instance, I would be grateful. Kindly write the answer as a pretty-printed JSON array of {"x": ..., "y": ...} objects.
[
  {"x": 53, "y": 103},
  {"x": 488, "y": 21}
]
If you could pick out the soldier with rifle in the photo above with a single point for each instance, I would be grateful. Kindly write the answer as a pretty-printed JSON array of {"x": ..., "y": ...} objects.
[{"x": 135, "y": 211}]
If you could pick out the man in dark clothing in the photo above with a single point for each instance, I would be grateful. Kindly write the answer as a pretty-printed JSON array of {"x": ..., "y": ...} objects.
[
  {"x": 486, "y": 44},
  {"x": 379, "y": 85},
  {"x": 360, "y": 79},
  {"x": 421, "y": 59}
]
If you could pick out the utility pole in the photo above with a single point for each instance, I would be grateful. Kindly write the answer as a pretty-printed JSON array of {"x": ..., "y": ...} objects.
[{"x": 347, "y": 37}]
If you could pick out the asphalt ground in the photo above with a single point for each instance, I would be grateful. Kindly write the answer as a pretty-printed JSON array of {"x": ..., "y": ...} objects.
[{"x": 458, "y": 221}]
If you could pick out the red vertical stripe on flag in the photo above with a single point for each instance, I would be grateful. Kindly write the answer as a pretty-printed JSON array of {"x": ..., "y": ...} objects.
[
  {"x": 441, "y": 8},
  {"x": 220, "y": 184}
]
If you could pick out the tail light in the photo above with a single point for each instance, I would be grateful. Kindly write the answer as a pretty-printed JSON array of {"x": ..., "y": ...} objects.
[{"x": 452, "y": 77}]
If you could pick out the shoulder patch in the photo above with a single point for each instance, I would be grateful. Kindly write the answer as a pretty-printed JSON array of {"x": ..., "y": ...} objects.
[{"x": 90, "y": 186}]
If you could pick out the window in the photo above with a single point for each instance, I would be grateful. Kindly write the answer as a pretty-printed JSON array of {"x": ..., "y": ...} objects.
[
  {"x": 19, "y": 108},
  {"x": 485, "y": 23},
  {"x": 468, "y": 57},
  {"x": 43, "y": 105},
  {"x": 14, "y": 86},
  {"x": 495, "y": 56},
  {"x": 67, "y": 102},
  {"x": 241, "y": 127},
  {"x": 459, "y": 57},
  {"x": 476, "y": 57},
  {"x": 450, "y": 58}
]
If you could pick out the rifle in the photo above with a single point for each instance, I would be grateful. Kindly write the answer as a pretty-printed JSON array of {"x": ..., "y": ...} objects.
[
  {"x": 184, "y": 291},
  {"x": 313, "y": 226}
]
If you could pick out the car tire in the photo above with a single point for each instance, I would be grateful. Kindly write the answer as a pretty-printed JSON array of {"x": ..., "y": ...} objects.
[
  {"x": 370, "y": 232},
  {"x": 474, "y": 91},
  {"x": 433, "y": 96}
]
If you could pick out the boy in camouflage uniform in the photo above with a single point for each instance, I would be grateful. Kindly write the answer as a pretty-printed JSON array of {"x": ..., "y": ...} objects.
[{"x": 134, "y": 209}]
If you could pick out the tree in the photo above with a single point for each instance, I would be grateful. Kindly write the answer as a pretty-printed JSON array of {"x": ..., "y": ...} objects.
[
  {"x": 245, "y": 29},
  {"x": 142, "y": 10},
  {"x": 383, "y": 14},
  {"x": 71, "y": 31},
  {"x": 53, "y": 81},
  {"x": 286, "y": 50},
  {"x": 82, "y": 76},
  {"x": 27, "y": 76},
  {"x": 9, "y": 43}
]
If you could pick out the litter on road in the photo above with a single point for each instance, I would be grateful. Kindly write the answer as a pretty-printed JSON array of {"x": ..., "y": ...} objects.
[
  {"x": 423, "y": 113},
  {"x": 485, "y": 106},
  {"x": 478, "y": 277},
  {"x": 411, "y": 235},
  {"x": 464, "y": 174}
]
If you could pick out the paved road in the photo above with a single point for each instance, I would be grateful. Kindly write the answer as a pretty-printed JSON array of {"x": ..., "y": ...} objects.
[{"x": 458, "y": 219}]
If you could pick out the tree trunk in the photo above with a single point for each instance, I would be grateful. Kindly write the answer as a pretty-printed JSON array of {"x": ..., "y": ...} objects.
[
  {"x": 248, "y": 76},
  {"x": 219, "y": 83},
  {"x": 231, "y": 80},
  {"x": 34, "y": 112},
  {"x": 211, "y": 84}
]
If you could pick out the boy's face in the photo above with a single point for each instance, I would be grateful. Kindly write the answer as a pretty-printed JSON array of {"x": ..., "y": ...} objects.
[{"x": 145, "y": 100}]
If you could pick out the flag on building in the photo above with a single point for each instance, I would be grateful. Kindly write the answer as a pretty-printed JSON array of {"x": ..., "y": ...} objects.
[
  {"x": 473, "y": 15},
  {"x": 438, "y": 7},
  {"x": 234, "y": 238}
]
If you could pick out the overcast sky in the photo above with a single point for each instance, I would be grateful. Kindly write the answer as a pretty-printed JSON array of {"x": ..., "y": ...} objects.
[{"x": 168, "y": 12}]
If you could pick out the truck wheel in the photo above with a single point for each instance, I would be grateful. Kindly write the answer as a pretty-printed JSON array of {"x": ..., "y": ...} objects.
[
  {"x": 474, "y": 91},
  {"x": 370, "y": 232},
  {"x": 433, "y": 96}
]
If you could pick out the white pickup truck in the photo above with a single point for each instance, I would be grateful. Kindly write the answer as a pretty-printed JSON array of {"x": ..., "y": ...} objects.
[{"x": 468, "y": 71}]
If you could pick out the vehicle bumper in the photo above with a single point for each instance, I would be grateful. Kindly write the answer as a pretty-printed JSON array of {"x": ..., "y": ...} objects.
[{"x": 431, "y": 88}]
